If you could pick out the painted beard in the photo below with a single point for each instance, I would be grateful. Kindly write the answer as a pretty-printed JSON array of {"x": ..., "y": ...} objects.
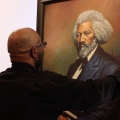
[{"x": 84, "y": 51}]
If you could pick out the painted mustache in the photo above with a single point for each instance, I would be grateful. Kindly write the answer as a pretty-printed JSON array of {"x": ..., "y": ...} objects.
[{"x": 82, "y": 44}]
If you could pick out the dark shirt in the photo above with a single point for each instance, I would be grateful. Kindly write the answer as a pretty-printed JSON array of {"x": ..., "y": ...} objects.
[{"x": 29, "y": 94}]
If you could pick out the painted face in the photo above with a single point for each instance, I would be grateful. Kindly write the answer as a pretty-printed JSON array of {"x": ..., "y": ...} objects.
[
  {"x": 85, "y": 38},
  {"x": 85, "y": 33}
]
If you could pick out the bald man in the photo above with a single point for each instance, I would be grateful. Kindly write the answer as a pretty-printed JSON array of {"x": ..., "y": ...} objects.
[
  {"x": 20, "y": 44},
  {"x": 29, "y": 94}
]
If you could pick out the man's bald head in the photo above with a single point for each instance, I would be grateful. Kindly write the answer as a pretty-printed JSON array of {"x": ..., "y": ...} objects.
[
  {"x": 22, "y": 47},
  {"x": 22, "y": 40}
]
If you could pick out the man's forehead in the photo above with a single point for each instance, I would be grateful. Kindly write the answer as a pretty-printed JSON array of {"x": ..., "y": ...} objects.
[{"x": 85, "y": 26}]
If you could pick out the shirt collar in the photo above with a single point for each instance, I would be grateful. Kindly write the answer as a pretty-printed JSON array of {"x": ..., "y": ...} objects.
[{"x": 22, "y": 65}]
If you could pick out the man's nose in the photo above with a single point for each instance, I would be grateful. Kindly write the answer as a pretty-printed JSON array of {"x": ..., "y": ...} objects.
[{"x": 82, "y": 39}]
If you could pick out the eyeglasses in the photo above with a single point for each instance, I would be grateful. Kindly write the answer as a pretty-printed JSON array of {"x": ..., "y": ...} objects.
[{"x": 43, "y": 44}]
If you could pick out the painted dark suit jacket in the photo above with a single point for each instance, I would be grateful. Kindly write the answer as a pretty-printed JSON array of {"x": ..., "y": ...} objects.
[{"x": 101, "y": 64}]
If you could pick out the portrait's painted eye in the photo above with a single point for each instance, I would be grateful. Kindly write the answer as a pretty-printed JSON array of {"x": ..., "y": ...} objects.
[
  {"x": 78, "y": 35},
  {"x": 87, "y": 32}
]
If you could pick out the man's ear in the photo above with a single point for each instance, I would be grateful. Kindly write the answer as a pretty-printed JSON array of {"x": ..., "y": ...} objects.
[{"x": 33, "y": 52}]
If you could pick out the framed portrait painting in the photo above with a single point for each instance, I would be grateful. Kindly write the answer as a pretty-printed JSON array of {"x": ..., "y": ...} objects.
[{"x": 55, "y": 23}]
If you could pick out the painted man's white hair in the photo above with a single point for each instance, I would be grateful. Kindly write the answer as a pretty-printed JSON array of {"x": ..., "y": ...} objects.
[{"x": 102, "y": 28}]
